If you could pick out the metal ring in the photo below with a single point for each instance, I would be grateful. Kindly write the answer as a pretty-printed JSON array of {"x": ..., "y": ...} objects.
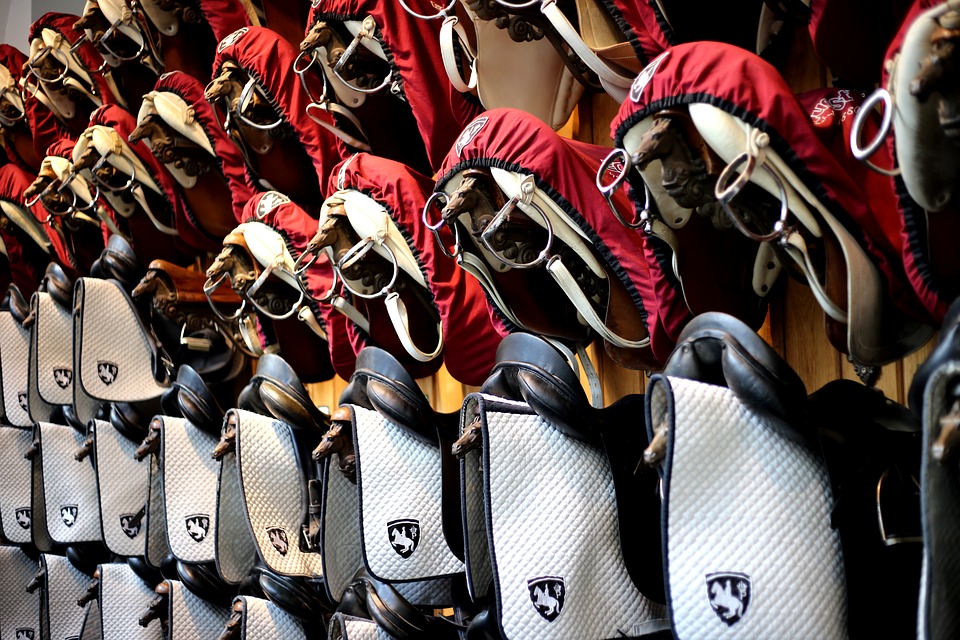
[
  {"x": 102, "y": 42},
  {"x": 251, "y": 292},
  {"x": 244, "y": 96},
  {"x": 48, "y": 50},
  {"x": 515, "y": 203},
  {"x": 383, "y": 85},
  {"x": 436, "y": 195},
  {"x": 210, "y": 287},
  {"x": 7, "y": 122},
  {"x": 607, "y": 191},
  {"x": 779, "y": 228},
  {"x": 357, "y": 252},
  {"x": 36, "y": 199},
  {"x": 726, "y": 192},
  {"x": 518, "y": 5},
  {"x": 99, "y": 165},
  {"x": 299, "y": 268},
  {"x": 440, "y": 14},
  {"x": 301, "y": 74},
  {"x": 863, "y": 153}
]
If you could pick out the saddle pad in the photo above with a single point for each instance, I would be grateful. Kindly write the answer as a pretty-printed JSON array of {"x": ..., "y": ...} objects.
[
  {"x": 53, "y": 341},
  {"x": 263, "y": 620},
  {"x": 15, "y": 484},
  {"x": 235, "y": 547},
  {"x": 14, "y": 353},
  {"x": 124, "y": 597},
  {"x": 116, "y": 359},
  {"x": 746, "y": 511},
  {"x": 344, "y": 627},
  {"x": 70, "y": 496},
  {"x": 274, "y": 493},
  {"x": 39, "y": 409},
  {"x": 339, "y": 530},
  {"x": 479, "y": 569},
  {"x": 938, "y": 613},
  {"x": 19, "y": 610},
  {"x": 189, "y": 477},
  {"x": 192, "y": 617},
  {"x": 91, "y": 622},
  {"x": 122, "y": 484},
  {"x": 157, "y": 546},
  {"x": 550, "y": 507},
  {"x": 399, "y": 490},
  {"x": 60, "y": 617}
]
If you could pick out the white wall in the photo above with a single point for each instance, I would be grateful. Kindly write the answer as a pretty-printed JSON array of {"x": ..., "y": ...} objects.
[{"x": 16, "y": 16}]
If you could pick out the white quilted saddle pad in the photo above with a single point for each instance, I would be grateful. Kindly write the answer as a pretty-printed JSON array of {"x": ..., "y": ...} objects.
[
  {"x": 52, "y": 343},
  {"x": 189, "y": 489},
  {"x": 275, "y": 496},
  {"x": 263, "y": 620},
  {"x": 15, "y": 484},
  {"x": 19, "y": 610},
  {"x": 344, "y": 627},
  {"x": 122, "y": 482},
  {"x": 123, "y": 599},
  {"x": 339, "y": 530},
  {"x": 192, "y": 617},
  {"x": 115, "y": 358},
  {"x": 398, "y": 480},
  {"x": 14, "y": 357},
  {"x": 552, "y": 532},
  {"x": 70, "y": 498},
  {"x": 39, "y": 409},
  {"x": 236, "y": 550},
  {"x": 61, "y": 618},
  {"x": 749, "y": 548}
]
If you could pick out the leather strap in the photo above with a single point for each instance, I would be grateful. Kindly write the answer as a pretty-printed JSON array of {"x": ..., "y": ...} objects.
[
  {"x": 397, "y": 311},
  {"x": 451, "y": 33}
]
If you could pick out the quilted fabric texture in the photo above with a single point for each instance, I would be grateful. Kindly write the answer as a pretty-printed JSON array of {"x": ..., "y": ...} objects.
[
  {"x": 85, "y": 406},
  {"x": 62, "y": 618},
  {"x": 123, "y": 599},
  {"x": 19, "y": 610},
  {"x": 157, "y": 547},
  {"x": 236, "y": 550},
  {"x": 189, "y": 490},
  {"x": 427, "y": 593},
  {"x": 116, "y": 360},
  {"x": 553, "y": 520},
  {"x": 193, "y": 618},
  {"x": 479, "y": 571},
  {"x": 274, "y": 493},
  {"x": 264, "y": 620},
  {"x": 122, "y": 483},
  {"x": 54, "y": 339},
  {"x": 741, "y": 499},
  {"x": 14, "y": 353},
  {"x": 398, "y": 480},
  {"x": 38, "y": 409},
  {"x": 69, "y": 486},
  {"x": 91, "y": 622},
  {"x": 350, "y": 628},
  {"x": 15, "y": 484},
  {"x": 340, "y": 531}
]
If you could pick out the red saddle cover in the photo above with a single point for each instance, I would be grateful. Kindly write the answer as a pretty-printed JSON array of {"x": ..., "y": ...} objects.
[
  {"x": 14, "y": 59},
  {"x": 224, "y": 16},
  {"x": 470, "y": 333},
  {"x": 566, "y": 170}
]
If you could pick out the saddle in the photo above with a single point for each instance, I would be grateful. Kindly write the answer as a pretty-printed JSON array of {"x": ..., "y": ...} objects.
[
  {"x": 16, "y": 137},
  {"x": 120, "y": 596},
  {"x": 182, "y": 614},
  {"x": 60, "y": 585},
  {"x": 520, "y": 221}
]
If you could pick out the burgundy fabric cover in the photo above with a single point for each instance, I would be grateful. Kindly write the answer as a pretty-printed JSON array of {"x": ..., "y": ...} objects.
[
  {"x": 734, "y": 22},
  {"x": 414, "y": 46},
  {"x": 14, "y": 59},
  {"x": 27, "y": 261},
  {"x": 231, "y": 161},
  {"x": 749, "y": 88},
  {"x": 566, "y": 170},
  {"x": 297, "y": 228},
  {"x": 470, "y": 338},
  {"x": 635, "y": 17},
  {"x": 224, "y": 16},
  {"x": 265, "y": 55}
]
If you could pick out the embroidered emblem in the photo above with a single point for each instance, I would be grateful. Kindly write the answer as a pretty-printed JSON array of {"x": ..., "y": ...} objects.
[
  {"x": 270, "y": 201},
  {"x": 729, "y": 595},
  {"x": 25, "y": 633},
  {"x": 470, "y": 133},
  {"x": 230, "y": 39},
  {"x": 63, "y": 377},
  {"x": 197, "y": 526},
  {"x": 23, "y": 517},
  {"x": 130, "y": 523},
  {"x": 278, "y": 538},
  {"x": 641, "y": 81},
  {"x": 547, "y": 593},
  {"x": 404, "y": 536},
  {"x": 22, "y": 400},
  {"x": 68, "y": 513},
  {"x": 107, "y": 371}
]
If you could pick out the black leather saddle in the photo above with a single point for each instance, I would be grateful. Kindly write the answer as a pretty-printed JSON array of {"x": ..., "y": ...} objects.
[{"x": 119, "y": 262}]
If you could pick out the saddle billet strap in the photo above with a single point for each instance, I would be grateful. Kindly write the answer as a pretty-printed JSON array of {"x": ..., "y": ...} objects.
[
  {"x": 123, "y": 487},
  {"x": 14, "y": 359},
  {"x": 70, "y": 496},
  {"x": 122, "y": 598},
  {"x": 715, "y": 575},
  {"x": 346, "y": 627},
  {"x": 263, "y": 619},
  {"x": 62, "y": 585},
  {"x": 16, "y": 480},
  {"x": 53, "y": 342},
  {"x": 191, "y": 617},
  {"x": 19, "y": 609},
  {"x": 189, "y": 480}
]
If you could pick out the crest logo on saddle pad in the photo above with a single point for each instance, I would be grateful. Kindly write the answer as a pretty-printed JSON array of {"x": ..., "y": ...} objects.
[
  {"x": 230, "y": 39},
  {"x": 404, "y": 536},
  {"x": 23, "y": 517},
  {"x": 729, "y": 594},
  {"x": 63, "y": 377},
  {"x": 197, "y": 526},
  {"x": 25, "y": 633},
  {"x": 270, "y": 201},
  {"x": 22, "y": 400},
  {"x": 547, "y": 594},
  {"x": 278, "y": 538},
  {"x": 642, "y": 80},
  {"x": 130, "y": 524},
  {"x": 68, "y": 513},
  {"x": 470, "y": 133},
  {"x": 107, "y": 372}
]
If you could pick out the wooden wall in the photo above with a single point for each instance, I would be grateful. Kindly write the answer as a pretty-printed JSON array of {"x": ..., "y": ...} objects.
[{"x": 794, "y": 325}]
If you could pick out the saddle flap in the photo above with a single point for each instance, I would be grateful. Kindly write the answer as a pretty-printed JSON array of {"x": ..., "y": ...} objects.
[
  {"x": 70, "y": 494},
  {"x": 123, "y": 485},
  {"x": 52, "y": 341}
]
